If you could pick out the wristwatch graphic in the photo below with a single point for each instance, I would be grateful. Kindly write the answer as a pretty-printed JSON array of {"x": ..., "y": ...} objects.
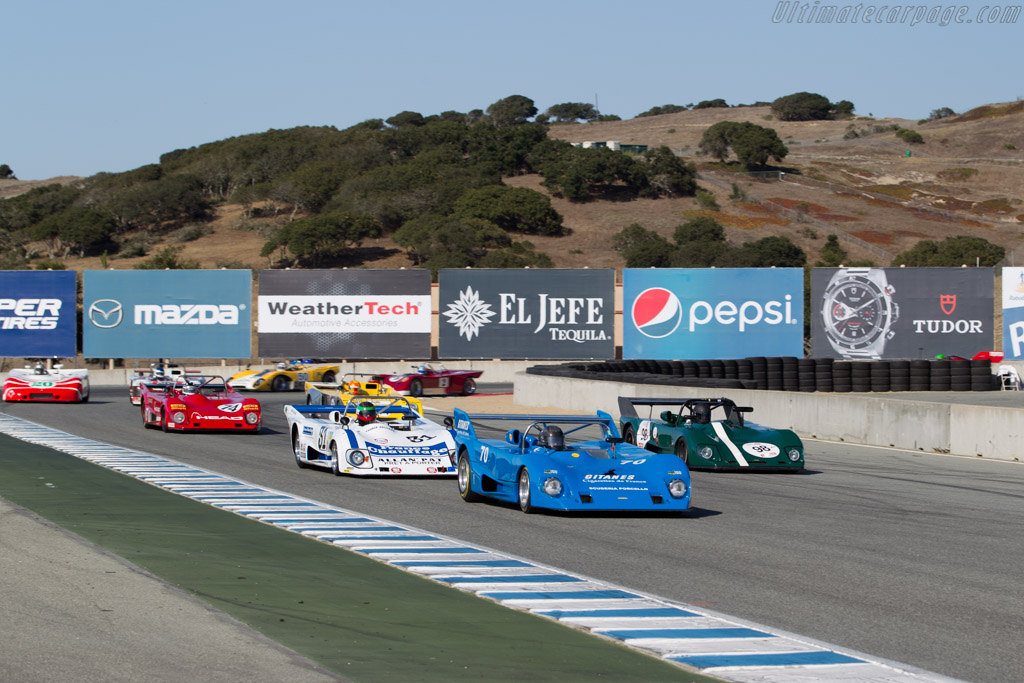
[{"x": 858, "y": 312}]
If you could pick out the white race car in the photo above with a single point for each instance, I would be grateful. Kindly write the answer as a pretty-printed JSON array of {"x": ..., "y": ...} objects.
[
  {"x": 40, "y": 383},
  {"x": 370, "y": 435}
]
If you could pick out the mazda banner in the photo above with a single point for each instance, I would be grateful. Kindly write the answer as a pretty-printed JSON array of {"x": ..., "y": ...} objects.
[
  {"x": 167, "y": 314},
  {"x": 344, "y": 314},
  {"x": 526, "y": 314},
  {"x": 703, "y": 313},
  {"x": 37, "y": 314},
  {"x": 875, "y": 313}
]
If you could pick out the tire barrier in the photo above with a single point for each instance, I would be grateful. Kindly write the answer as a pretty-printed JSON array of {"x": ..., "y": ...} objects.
[{"x": 788, "y": 373}]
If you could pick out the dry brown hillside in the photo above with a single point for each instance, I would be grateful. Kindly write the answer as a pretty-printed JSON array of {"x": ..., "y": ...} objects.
[{"x": 966, "y": 179}]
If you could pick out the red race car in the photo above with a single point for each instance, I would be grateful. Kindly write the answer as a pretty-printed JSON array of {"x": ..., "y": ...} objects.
[
  {"x": 47, "y": 384},
  {"x": 433, "y": 379},
  {"x": 198, "y": 402}
]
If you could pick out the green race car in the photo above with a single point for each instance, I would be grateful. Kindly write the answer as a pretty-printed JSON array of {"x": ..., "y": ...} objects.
[{"x": 709, "y": 433}]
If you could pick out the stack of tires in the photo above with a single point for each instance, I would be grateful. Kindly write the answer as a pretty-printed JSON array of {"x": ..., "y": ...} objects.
[{"x": 788, "y": 373}]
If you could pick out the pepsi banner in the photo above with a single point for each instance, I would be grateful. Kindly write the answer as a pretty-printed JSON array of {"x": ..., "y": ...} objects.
[
  {"x": 526, "y": 313},
  {"x": 1013, "y": 313},
  {"x": 877, "y": 313},
  {"x": 167, "y": 314},
  {"x": 37, "y": 314},
  {"x": 350, "y": 314},
  {"x": 703, "y": 313}
]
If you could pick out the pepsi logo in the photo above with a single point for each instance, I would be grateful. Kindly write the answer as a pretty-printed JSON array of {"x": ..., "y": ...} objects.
[{"x": 656, "y": 312}]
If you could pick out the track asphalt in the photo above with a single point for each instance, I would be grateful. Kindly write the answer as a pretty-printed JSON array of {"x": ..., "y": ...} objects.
[{"x": 106, "y": 578}]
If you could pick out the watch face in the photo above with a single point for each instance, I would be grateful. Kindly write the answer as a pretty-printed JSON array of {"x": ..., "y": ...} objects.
[{"x": 855, "y": 312}]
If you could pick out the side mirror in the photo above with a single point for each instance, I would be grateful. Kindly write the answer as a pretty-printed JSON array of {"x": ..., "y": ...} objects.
[
  {"x": 615, "y": 439},
  {"x": 449, "y": 422},
  {"x": 668, "y": 417},
  {"x": 514, "y": 437}
]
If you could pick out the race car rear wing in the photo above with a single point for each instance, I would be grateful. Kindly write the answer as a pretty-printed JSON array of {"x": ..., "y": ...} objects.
[
  {"x": 628, "y": 404},
  {"x": 463, "y": 421}
]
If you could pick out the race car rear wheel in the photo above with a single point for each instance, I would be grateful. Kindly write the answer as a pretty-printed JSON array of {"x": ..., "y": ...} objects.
[
  {"x": 469, "y": 388},
  {"x": 628, "y": 435},
  {"x": 682, "y": 450},
  {"x": 297, "y": 450},
  {"x": 328, "y": 377},
  {"x": 416, "y": 388},
  {"x": 335, "y": 459},
  {"x": 466, "y": 479},
  {"x": 523, "y": 489},
  {"x": 279, "y": 383}
]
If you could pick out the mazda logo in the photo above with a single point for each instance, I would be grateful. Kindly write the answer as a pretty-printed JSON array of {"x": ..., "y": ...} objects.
[{"x": 106, "y": 313}]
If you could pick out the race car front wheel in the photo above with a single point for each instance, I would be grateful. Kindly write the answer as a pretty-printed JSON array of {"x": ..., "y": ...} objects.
[
  {"x": 524, "y": 491},
  {"x": 469, "y": 388},
  {"x": 628, "y": 435},
  {"x": 335, "y": 459},
  {"x": 466, "y": 479},
  {"x": 297, "y": 449},
  {"x": 682, "y": 450},
  {"x": 416, "y": 388}
]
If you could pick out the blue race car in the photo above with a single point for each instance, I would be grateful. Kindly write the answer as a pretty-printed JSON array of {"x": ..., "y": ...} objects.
[{"x": 565, "y": 462}]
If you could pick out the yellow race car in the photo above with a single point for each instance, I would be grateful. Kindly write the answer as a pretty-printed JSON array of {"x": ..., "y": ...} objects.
[
  {"x": 289, "y": 375},
  {"x": 353, "y": 385}
]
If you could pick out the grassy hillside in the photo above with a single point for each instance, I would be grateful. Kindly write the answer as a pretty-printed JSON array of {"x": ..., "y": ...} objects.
[{"x": 965, "y": 179}]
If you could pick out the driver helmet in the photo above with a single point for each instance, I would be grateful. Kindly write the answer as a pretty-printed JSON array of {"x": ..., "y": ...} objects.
[
  {"x": 552, "y": 437},
  {"x": 366, "y": 412},
  {"x": 282, "y": 365},
  {"x": 158, "y": 371},
  {"x": 702, "y": 413},
  {"x": 422, "y": 369},
  {"x": 40, "y": 369},
  {"x": 188, "y": 389}
]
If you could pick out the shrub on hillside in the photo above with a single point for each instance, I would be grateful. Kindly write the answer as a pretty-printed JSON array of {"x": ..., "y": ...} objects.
[{"x": 909, "y": 136}]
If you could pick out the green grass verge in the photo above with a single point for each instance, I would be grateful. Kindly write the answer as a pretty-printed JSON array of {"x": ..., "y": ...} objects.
[{"x": 352, "y": 615}]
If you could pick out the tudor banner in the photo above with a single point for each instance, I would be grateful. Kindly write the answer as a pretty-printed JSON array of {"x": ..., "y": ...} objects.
[
  {"x": 526, "y": 313},
  {"x": 1013, "y": 313},
  {"x": 37, "y": 313},
  {"x": 702, "y": 313},
  {"x": 167, "y": 314},
  {"x": 350, "y": 314},
  {"x": 874, "y": 313}
]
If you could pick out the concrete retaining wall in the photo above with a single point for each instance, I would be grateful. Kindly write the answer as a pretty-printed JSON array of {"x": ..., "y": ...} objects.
[{"x": 984, "y": 431}]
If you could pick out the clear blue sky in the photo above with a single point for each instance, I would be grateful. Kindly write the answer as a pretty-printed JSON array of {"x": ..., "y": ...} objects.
[{"x": 110, "y": 86}]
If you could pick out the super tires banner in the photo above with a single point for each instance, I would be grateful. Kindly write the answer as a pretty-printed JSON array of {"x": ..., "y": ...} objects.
[
  {"x": 526, "y": 314},
  {"x": 37, "y": 314},
  {"x": 702, "y": 313},
  {"x": 349, "y": 314},
  {"x": 167, "y": 314},
  {"x": 876, "y": 313}
]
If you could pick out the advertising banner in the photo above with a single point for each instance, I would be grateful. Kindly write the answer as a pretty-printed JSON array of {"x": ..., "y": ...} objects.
[
  {"x": 703, "y": 313},
  {"x": 874, "y": 313},
  {"x": 526, "y": 313},
  {"x": 344, "y": 314},
  {"x": 1013, "y": 313},
  {"x": 37, "y": 314},
  {"x": 167, "y": 314}
]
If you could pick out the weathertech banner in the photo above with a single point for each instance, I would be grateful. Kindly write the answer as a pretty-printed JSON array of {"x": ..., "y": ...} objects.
[
  {"x": 876, "y": 313},
  {"x": 37, "y": 314},
  {"x": 702, "y": 313},
  {"x": 526, "y": 313},
  {"x": 167, "y": 313},
  {"x": 1013, "y": 313},
  {"x": 344, "y": 314}
]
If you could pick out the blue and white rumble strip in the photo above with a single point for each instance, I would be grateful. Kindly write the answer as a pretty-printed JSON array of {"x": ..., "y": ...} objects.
[{"x": 710, "y": 642}]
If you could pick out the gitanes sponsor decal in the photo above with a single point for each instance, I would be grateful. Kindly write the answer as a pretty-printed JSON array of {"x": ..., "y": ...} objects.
[
  {"x": 609, "y": 476},
  {"x": 558, "y": 318},
  {"x": 407, "y": 450}
]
